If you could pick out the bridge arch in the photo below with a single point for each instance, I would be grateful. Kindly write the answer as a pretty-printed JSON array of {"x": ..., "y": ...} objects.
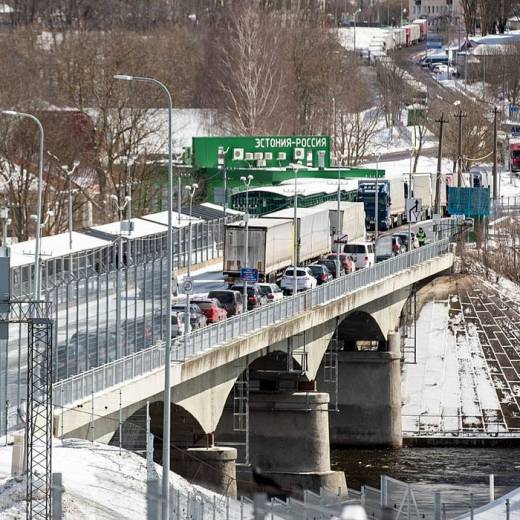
[
  {"x": 186, "y": 431},
  {"x": 359, "y": 330}
]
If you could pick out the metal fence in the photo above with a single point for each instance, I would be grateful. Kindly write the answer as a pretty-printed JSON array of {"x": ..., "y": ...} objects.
[
  {"x": 84, "y": 384},
  {"x": 108, "y": 304}
]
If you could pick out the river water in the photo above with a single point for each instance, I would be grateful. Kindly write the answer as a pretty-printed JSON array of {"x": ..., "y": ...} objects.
[{"x": 455, "y": 472}]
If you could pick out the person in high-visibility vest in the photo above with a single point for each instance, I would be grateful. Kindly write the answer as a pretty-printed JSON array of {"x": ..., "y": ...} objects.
[{"x": 421, "y": 237}]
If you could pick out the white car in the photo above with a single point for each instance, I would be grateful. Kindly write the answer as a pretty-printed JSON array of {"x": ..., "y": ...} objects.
[
  {"x": 304, "y": 280},
  {"x": 271, "y": 291},
  {"x": 362, "y": 253}
]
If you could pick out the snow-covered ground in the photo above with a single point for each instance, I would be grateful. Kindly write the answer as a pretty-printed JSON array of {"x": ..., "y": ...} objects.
[
  {"x": 101, "y": 484},
  {"x": 467, "y": 375},
  {"x": 400, "y": 167}
]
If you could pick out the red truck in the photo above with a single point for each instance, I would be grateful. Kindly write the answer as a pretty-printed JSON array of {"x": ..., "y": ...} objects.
[{"x": 514, "y": 150}]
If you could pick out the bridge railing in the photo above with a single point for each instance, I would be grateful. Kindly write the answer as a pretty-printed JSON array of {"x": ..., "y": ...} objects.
[
  {"x": 98, "y": 379},
  {"x": 243, "y": 324}
]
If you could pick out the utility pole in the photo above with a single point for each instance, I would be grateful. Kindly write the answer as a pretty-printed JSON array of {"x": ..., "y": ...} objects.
[
  {"x": 495, "y": 184},
  {"x": 441, "y": 122},
  {"x": 459, "y": 116}
]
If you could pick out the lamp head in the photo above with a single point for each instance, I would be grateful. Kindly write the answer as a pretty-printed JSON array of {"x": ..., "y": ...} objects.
[
  {"x": 50, "y": 213},
  {"x": 187, "y": 188},
  {"x": 125, "y": 77},
  {"x": 243, "y": 179},
  {"x": 114, "y": 197},
  {"x": 250, "y": 177},
  {"x": 10, "y": 112},
  {"x": 128, "y": 198},
  {"x": 195, "y": 186},
  {"x": 75, "y": 163}
]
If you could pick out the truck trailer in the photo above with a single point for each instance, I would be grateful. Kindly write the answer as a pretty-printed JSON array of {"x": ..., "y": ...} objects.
[
  {"x": 352, "y": 220},
  {"x": 270, "y": 248},
  {"x": 313, "y": 231},
  {"x": 391, "y": 202}
]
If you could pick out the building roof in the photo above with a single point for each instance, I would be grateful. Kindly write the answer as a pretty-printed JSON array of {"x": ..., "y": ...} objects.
[
  {"x": 210, "y": 211},
  {"x": 54, "y": 246},
  {"x": 142, "y": 228},
  {"x": 162, "y": 218}
]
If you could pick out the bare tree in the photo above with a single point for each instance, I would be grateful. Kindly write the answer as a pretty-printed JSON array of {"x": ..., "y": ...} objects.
[
  {"x": 392, "y": 90},
  {"x": 469, "y": 9},
  {"x": 248, "y": 70}
]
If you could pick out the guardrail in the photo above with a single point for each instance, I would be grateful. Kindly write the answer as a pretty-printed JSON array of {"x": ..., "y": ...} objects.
[{"x": 98, "y": 379}]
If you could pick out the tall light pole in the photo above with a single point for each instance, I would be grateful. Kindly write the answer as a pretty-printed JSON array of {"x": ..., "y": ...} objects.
[
  {"x": 165, "y": 510},
  {"x": 247, "y": 182},
  {"x": 295, "y": 167},
  {"x": 376, "y": 201},
  {"x": 69, "y": 173},
  {"x": 129, "y": 163},
  {"x": 37, "y": 252},
  {"x": 187, "y": 325},
  {"x": 120, "y": 208},
  {"x": 338, "y": 223},
  {"x": 355, "y": 14},
  {"x": 412, "y": 150}
]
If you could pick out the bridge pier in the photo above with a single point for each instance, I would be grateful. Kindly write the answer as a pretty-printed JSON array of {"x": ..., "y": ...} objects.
[
  {"x": 369, "y": 398},
  {"x": 289, "y": 440},
  {"x": 212, "y": 467}
]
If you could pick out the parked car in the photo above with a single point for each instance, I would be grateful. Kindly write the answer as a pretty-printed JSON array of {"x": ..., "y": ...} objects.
[
  {"x": 271, "y": 291},
  {"x": 231, "y": 300},
  {"x": 304, "y": 280},
  {"x": 211, "y": 308},
  {"x": 346, "y": 261},
  {"x": 254, "y": 297},
  {"x": 321, "y": 273},
  {"x": 389, "y": 246},
  {"x": 403, "y": 236},
  {"x": 362, "y": 253},
  {"x": 331, "y": 266},
  {"x": 197, "y": 318}
]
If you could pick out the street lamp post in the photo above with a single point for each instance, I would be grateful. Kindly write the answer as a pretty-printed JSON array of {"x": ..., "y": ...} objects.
[
  {"x": 247, "y": 182},
  {"x": 69, "y": 173},
  {"x": 376, "y": 202},
  {"x": 338, "y": 225},
  {"x": 130, "y": 162},
  {"x": 120, "y": 208},
  {"x": 355, "y": 14},
  {"x": 187, "y": 325},
  {"x": 409, "y": 198},
  {"x": 37, "y": 253},
  {"x": 165, "y": 510}
]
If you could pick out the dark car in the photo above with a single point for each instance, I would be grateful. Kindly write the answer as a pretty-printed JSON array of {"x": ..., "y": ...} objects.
[
  {"x": 211, "y": 308},
  {"x": 346, "y": 261},
  {"x": 254, "y": 296},
  {"x": 321, "y": 273},
  {"x": 230, "y": 299},
  {"x": 331, "y": 266},
  {"x": 197, "y": 318}
]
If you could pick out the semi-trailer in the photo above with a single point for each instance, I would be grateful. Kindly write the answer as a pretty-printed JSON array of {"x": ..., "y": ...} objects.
[
  {"x": 271, "y": 243},
  {"x": 390, "y": 202},
  {"x": 270, "y": 248}
]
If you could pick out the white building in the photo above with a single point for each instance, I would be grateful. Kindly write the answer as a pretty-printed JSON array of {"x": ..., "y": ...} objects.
[{"x": 434, "y": 9}]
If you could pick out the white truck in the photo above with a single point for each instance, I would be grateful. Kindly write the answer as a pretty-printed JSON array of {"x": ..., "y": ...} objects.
[
  {"x": 424, "y": 187},
  {"x": 313, "y": 232},
  {"x": 270, "y": 248},
  {"x": 352, "y": 219}
]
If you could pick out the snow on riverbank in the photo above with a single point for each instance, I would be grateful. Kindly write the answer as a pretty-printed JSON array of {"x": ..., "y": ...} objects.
[{"x": 99, "y": 483}]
